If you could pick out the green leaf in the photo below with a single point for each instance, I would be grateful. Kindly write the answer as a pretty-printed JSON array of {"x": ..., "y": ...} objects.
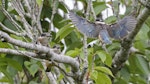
[
  {"x": 94, "y": 75},
  {"x": 11, "y": 63},
  {"x": 121, "y": 81},
  {"x": 0, "y": 3},
  {"x": 148, "y": 22},
  {"x": 125, "y": 74},
  {"x": 3, "y": 70},
  {"x": 99, "y": 7},
  {"x": 33, "y": 82},
  {"x": 4, "y": 80},
  {"x": 19, "y": 59},
  {"x": 12, "y": 71},
  {"x": 139, "y": 64},
  {"x": 141, "y": 37},
  {"x": 108, "y": 61},
  {"x": 27, "y": 63},
  {"x": 73, "y": 53},
  {"x": 148, "y": 34},
  {"x": 3, "y": 64},
  {"x": 8, "y": 24},
  {"x": 102, "y": 55},
  {"x": 73, "y": 40},
  {"x": 2, "y": 16},
  {"x": 14, "y": 64},
  {"x": 143, "y": 65},
  {"x": 114, "y": 46},
  {"x": 64, "y": 31},
  {"x": 61, "y": 6},
  {"x": 104, "y": 69},
  {"x": 76, "y": 44},
  {"x": 137, "y": 79},
  {"x": 128, "y": 9},
  {"x": 110, "y": 20},
  {"x": 60, "y": 78},
  {"x": 32, "y": 67},
  {"x": 57, "y": 19},
  {"x": 103, "y": 79},
  {"x": 91, "y": 57},
  {"x": 17, "y": 37},
  {"x": 106, "y": 58},
  {"x": 39, "y": 2}
]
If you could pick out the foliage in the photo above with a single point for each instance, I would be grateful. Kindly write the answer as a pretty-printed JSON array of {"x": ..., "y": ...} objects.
[{"x": 136, "y": 69}]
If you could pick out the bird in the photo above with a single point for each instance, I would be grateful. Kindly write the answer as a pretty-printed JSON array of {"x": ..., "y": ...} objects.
[
  {"x": 57, "y": 48},
  {"x": 44, "y": 39},
  {"x": 104, "y": 32}
]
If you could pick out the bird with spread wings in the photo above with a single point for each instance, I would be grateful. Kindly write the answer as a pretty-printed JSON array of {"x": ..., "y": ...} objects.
[{"x": 117, "y": 30}]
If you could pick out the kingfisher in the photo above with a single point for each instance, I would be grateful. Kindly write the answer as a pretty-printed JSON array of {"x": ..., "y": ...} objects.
[{"x": 103, "y": 31}]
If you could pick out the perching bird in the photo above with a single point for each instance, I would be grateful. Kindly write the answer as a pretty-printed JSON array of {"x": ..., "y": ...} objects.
[
  {"x": 104, "y": 31},
  {"x": 57, "y": 49},
  {"x": 44, "y": 39}
]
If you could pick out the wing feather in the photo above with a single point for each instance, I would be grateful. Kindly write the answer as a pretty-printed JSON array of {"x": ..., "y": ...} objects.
[
  {"x": 123, "y": 27},
  {"x": 84, "y": 26}
]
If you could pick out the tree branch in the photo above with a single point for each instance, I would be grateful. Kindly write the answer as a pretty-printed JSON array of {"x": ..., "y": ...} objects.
[
  {"x": 53, "y": 56},
  {"x": 82, "y": 78},
  {"x": 11, "y": 31},
  {"x": 11, "y": 19},
  {"x": 15, "y": 52},
  {"x": 51, "y": 78},
  {"x": 27, "y": 5},
  {"x": 145, "y": 3},
  {"x": 20, "y": 12},
  {"x": 122, "y": 55},
  {"x": 54, "y": 6}
]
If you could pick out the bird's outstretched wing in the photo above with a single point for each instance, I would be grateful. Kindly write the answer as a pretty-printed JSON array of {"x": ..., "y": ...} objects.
[
  {"x": 122, "y": 27},
  {"x": 84, "y": 26},
  {"x": 93, "y": 30}
]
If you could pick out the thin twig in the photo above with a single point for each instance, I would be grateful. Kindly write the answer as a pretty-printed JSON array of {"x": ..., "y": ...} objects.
[
  {"x": 57, "y": 72},
  {"x": 51, "y": 78},
  {"x": 11, "y": 19},
  {"x": 15, "y": 52},
  {"x": 32, "y": 56},
  {"x": 85, "y": 65},
  {"x": 118, "y": 10},
  {"x": 62, "y": 2},
  {"x": 27, "y": 5},
  {"x": 21, "y": 7},
  {"x": 93, "y": 12},
  {"x": 62, "y": 70},
  {"x": 112, "y": 7},
  {"x": 38, "y": 18},
  {"x": 11, "y": 31},
  {"x": 145, "y": 3},
  {"x": 56, "y": 57},
  {"x": 54, "y": 6},
  {"x": 75, "y": 5},
  {"x": 26, "y": 25}
]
